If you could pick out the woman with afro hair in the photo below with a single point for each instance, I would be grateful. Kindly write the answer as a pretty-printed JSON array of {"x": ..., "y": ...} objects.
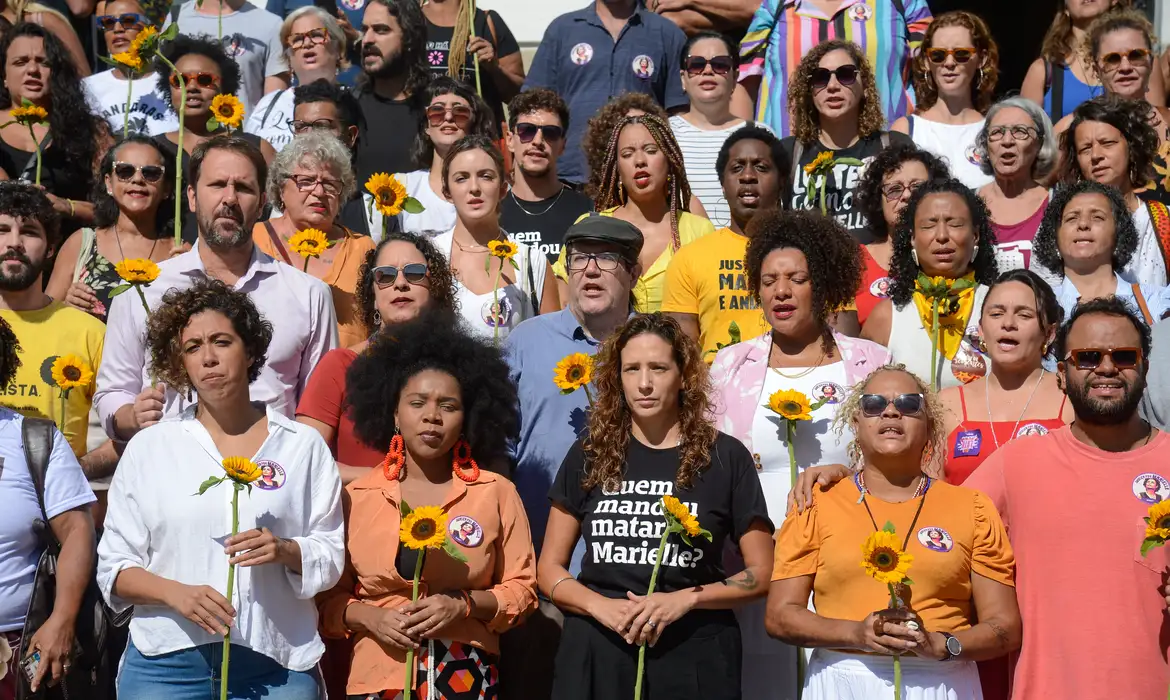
[
  {"x": 439, "y": 404},
  {"x": 942, "y": 261}
]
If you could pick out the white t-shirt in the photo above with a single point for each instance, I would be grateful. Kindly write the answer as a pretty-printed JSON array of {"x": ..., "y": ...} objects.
[
  {"x": 700, "y": 149},
  {"x": 269, "y": 119},
  {"x": 438, "y": 214},
  {"x": 954, "y": 143},
  {"x": 149, "y": 112},
  {"x": 1146, "y": 268}
]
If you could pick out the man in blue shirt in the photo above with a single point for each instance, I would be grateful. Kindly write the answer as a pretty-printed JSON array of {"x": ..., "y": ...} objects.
[{"x": 592, "y": 55}]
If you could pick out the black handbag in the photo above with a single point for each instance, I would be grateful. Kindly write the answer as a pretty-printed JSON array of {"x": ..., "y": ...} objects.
[{"x": 89, "y": 676}]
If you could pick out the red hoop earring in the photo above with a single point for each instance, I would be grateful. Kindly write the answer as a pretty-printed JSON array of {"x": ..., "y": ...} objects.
[
  {"x": 462, "y": 458},
  {"x": 394, "y": 464}
]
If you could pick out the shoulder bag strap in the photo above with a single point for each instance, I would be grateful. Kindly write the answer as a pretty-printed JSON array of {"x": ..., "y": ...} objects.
[
  {"x": 1057, "y": 92},
  {"x": 276, "y": 242},
  {"x": 88, "y": 245},
  {"x": 37, "y": 435},
  {"x": 1141, "y": 302},
  {"x": 1160, "y": 218},
  {"x": 797, "y": 152},
  {"x": 271, "y": 106}
]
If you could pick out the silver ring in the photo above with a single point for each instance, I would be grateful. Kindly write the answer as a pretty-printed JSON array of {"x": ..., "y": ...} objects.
[{"x": 652, "y": 624}]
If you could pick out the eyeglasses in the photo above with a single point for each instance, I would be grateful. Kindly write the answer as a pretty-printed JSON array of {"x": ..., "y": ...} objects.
[
  {"x": 1091, "y": 358},
  {"x": 894, "y": 191},
  {"x": 1137, "y": 57},
  {"x": 308, "y": 183},
  {"x": 298, "y": 126},
  {"x": 460, "y": 115},
  {"x": 527, "y": 132},
  {"x": 386, "y": 275},
  {"x": 126, "y": 171},
  {"x": 940, "y": 55},
  {"x": 606, "y": 262},
  {"x": 873, "y": 405},
  {"x": 1019, "y": 132},
  {"x": 846, "y": 75},
  {"x": 203, "y": 80},
  {"x": 720, "y": 65},
  {"x": 310, "y": 38},
  {"x": 129, "y": 20}
]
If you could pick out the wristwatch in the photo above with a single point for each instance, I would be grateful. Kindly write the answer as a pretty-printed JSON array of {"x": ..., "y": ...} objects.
[{"x": 953, "y": 646}]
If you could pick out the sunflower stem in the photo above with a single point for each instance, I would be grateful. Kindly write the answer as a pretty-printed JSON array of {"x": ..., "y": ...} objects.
[
  {"x": 36, "y": 144},
  {"x": 897, "y": 677},
  {"x": 64, "y": 398},
  {"x": 142, "y": 296},
  {"x": 129, "y": 98},
  {"x": 227, "y": 638},
  {"x": 790, "y": 427},
  {"x": 409, "y": 684},
  {"x": 649, "y": 590},
  {"x": 934, "y": 358},
  {"x": 824, "y": 186},
  {"x": 588, "y": 395},
  {"x": 496, "y": 309}
]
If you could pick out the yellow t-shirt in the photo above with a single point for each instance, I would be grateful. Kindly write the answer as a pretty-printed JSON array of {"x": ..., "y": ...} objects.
[
  {"x": 44, "y": 335},
  {"x": 648, "y": 289},
  {"x": 707, "y": 278}
]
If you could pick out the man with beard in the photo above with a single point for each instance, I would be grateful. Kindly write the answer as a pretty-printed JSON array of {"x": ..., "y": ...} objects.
[
  {"x": 539, "y": 208},
  {"x": 394, "y": 75},
  {"x": 226, "y": 193},
  {"x": 1072, "y": 504}
]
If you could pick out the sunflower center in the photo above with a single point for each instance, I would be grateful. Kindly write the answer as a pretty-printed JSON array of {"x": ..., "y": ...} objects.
[
  {"x": 386, "y": 195},
  {"x": 574, "y": 374},
  {"x": 423, "y": 529},
  {"x": 1164, "y": 522},
  {"x": 791, "y": 407},
  {"x": 72, "y": 373},
  {"x": 885, "y": 560}
]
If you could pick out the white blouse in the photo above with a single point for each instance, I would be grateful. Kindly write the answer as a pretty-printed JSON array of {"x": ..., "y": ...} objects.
[{"x": 157, "y": 522}]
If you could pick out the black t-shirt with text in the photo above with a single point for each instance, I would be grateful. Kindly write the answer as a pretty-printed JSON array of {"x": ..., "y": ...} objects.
[
  {"x": 622, "y": 530},
  {"x": 841, "y": 193},
  {"x": 386, "y": 136},
  {"x": 543, "y": 223},
  {"x": 439, "y": 46}
]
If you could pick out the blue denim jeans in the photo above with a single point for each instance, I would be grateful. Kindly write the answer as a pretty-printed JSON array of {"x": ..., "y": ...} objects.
[{"x": 193, "y": 674}]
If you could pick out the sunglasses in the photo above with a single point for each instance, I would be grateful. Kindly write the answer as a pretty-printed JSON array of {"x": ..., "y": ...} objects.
[
  {"x": 846, "y": 75},
  {"x": 720, "y": 65},
  {"x": 527, "y": 132},
  {"x": 940, "y": 55},
  {"x": 386, "y": 275},
  {"x": 126, "y": 171},
  {"x": 1091, "y": 358},
  {"x": 460, "y": 115},
  {"x": 894, "y": 191},
  {"x": 311, "y": 37},
  {"x": 873, "y": 405},
  {"x": 129, "y": 20},
  {"x": 203, "y": 80},
  {"x": 1137, "y": 57}
]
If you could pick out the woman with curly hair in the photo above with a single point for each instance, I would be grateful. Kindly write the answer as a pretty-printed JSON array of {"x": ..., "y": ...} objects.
[
  {"x": 166, "y": 550},
  {"x": 836, "y": 114},
  {"x": 942, "y": 261},
  {"x": 890, "y": 180},
  {"x": 962, "y": 607},
  {"x": 955, "y": 73},
  {"x": 595, "y": 142},
  {"x": 649, "y": 438},
  {"x": 438, "y": 403}
]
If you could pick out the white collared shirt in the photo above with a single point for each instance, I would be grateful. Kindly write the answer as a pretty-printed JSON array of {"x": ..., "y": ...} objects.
[
  {"x": 157, "y": 522},
  {"x": 1156, "y": 298},
  {"x": 299, "y": 307}
]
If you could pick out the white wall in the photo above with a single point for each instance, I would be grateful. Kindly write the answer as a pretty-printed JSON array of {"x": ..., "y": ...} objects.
[{"x": 528, "y": 18}]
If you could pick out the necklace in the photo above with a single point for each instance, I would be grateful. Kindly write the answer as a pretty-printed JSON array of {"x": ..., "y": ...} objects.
[
  {"x": 802, "y": 373},
  {"x": 987, "y": 395},
  {"x": 920, "y": 490},
  {"x": 469, "y": 249},
  {"x": 516, "y": 199},
  {"x": 118, "y": 240}
]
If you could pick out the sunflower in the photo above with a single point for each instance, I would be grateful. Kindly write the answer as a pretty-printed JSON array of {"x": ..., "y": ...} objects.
[
  {"x": 504, "y": 250},
  {"x": 824, "y": 160},
  {"x": 228, "y": 111},
  {"x": 884, "y": 559},
  {"x": 128, "y": 59},
  {"x": 241, "y": 469},
  {"x": 682, "y": 514},
  {"x": 790, "y": 405},
  {"x": 29, "y": 114},
  {"x": 1158, "y": 521},
  {"x": 144, "y": 35},
  {"x": 70, "y": 372},
  {"x": 573, "y": 372},
  {"x": 309, "y": 243},
  {"x": 424, "y": 528},
  {"x": 389, "y": 193},
  {"x": 137, "y": 270}
]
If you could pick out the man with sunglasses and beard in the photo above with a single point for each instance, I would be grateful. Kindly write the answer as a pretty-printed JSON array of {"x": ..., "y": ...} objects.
[
  {"x": 226, "y": 194},
  {"x": 539, "y": 208},
  {"x": 1072, "y": 504}
]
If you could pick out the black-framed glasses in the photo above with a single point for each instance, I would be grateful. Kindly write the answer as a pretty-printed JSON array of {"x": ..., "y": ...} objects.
[
  {"x": 940, "y": 55},
  {"x": 300, "y": 126},
  {"x": 720, "y": 65},
  {"x": 460, "y": 115},
  {"x": 527, "y": 132},
  {"x": 1091, "y": 358},
  {"x": 846, "y": 75},
  {"x": 201, "y": 79},
  {"x": 606, "y": 262},
  {"x": 312, "y": 37},
  {"x": 128, "y": 20},
  {"x": 894, "y": 191},
  {"x": 386, "y": 275},
  {"x": 308, "y": 183},
  {"x": 1019, "y": 132},
  {"x": 126, "y": 171},
  {"x": 1137, "y": 57},
  {"x": 873, "y": 405}
]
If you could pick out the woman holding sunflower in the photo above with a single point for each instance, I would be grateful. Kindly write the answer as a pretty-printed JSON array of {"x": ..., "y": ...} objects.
[
  {"x": 167, "y": 552},
  {"x": 650, "y": 436},
  {"x": 439, "y": 404},
  {"x": 960, "y": 605}
]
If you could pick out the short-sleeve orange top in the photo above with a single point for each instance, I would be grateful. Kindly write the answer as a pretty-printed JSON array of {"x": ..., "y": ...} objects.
[{"x": 957, "y": 533}]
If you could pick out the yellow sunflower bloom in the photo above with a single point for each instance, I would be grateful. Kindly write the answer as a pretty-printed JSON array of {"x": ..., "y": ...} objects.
[
  {"x": 128, "y": 59},
  {"x": 309, "y": 243},
  {"x": 573, "y": 372},
  {"x": 29, "y": 114},
  {"x": 504, "y": 250},
  {"x": 70, "y": 372},
  {"x": 884, "y": 559},
  {"x": 424, "y": 528},
  {"x": 821, "y": 161},
  {"x": 790, "y": 405},
  {"x": 682, "y": 514},
  {"x": 144, "y": 35},
  {"x": 137, "y": 270},
  {"x": 1159, "y": 525},
  {"x": 241, "y": 469},
  {"x": 389, "y": 193},
  {"x": 228, "y": 111}
]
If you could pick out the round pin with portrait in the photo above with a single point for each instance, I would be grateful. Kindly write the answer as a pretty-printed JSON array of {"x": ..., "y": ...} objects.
[
  {"x": 643, "y": 66},
  {"x": 581, "y": 54},
  {"x": 465, "y": 531},
  {"x": 271, "y": 475},
  {"x": 936, "y": 539},
  {"x": 1151, "y": 488}
]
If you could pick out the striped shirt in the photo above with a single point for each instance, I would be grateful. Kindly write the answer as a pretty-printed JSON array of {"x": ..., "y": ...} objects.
[
  {"x": 700, "y": 149},
  {"x": 783, "y": 31}
]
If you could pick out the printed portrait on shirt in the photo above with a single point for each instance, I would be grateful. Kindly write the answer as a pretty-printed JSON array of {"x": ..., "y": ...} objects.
[{"x": 1151, "y": 488}]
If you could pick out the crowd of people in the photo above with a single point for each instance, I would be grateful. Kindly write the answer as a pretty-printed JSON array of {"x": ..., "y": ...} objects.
[{"x": 345, "y": 355}]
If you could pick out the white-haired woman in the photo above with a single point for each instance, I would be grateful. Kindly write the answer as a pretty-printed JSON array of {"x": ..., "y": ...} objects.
[
  {"x": 314, "y": 48},
  {"x": 308, "y": 181},
  {"x": 1021, "y": 153}
]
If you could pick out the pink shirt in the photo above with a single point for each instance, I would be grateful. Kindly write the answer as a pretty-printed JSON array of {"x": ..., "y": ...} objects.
[{"x": 1090, "y": 603}]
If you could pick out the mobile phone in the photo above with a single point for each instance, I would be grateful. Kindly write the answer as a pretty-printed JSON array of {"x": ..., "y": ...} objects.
[
  {"x": 30, "y": 664},
  {"x": 329, "y": 6}
]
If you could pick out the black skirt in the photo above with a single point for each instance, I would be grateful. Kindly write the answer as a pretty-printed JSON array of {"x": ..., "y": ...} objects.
[{"x": 697, "y": 658}]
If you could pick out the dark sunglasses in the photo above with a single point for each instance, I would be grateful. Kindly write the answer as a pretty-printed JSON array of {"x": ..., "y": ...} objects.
[
  {"x": 846, "y": 75},
  {"x": 720, "y": 65},
  {"x": 126, "y": 171},
  {"x": 1138, "y": 57},
  {"x": 460, "y": 115},
  {"x": 203, "y": 80},
  {"x": 527, "y": 132},
  {"x": 940, "y": 55},
  {"x": 1091, "y": 358},
  {"x": 386, "y": 275},
  {"x": 873, "y": 405},
  {"x": 129, "y": 20}
]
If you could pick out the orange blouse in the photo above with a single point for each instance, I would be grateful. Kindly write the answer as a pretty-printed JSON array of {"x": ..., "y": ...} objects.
[{"x": 500, "y": 559}]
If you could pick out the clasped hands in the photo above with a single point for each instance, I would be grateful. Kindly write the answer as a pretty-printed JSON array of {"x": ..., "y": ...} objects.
[
  {"x": 426, "y": 618},
  {"x": 641, "y": 619},
  {"x": 896, "y": 632}
]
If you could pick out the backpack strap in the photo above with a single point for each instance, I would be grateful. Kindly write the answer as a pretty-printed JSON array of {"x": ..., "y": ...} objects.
[
  {"x": 1058, "y": 71},
  {"x": 276, "y": 242},
  {"x": 37, "y": 435},
  {"x": 1141, "y": 302},
  {"x": 85, "y": 253},
  {"x": 271, "y": 106},
  {"x": 1160, "y": 218}
]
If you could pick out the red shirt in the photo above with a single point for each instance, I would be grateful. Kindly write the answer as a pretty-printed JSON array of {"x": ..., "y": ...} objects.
[
  {"x": 875, "y": 286},
  {"x": 324, "y": 400},
  {"x": 971, "y": 441}
]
